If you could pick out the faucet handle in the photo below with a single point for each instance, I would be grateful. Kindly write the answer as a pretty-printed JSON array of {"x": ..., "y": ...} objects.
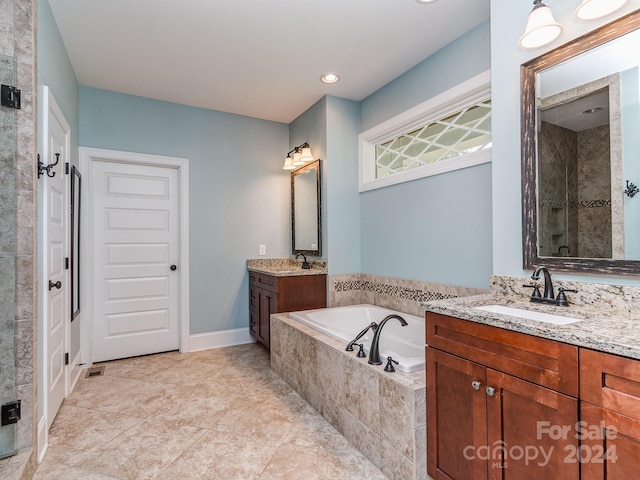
[
  {"x": 536, "y": 290},
  {"x": 389, "y": 367},
  {"x": 561, "y": 299}
]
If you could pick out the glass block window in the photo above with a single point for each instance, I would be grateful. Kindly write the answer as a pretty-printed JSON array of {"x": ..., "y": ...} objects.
[
  {"x": 465, "y": 131},
  {"x": 448, "y": 132}
]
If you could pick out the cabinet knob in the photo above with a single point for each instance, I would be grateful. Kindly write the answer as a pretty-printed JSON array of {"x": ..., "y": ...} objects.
[
  {"x": 476, "y": 385},
  {"x": 490, "y": 391}
]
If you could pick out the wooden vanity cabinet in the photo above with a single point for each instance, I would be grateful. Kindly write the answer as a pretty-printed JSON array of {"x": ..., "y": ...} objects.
[
  {"x": 276, "y": 294},
  {"x": 610, "y": 412},
  {"x": 494, "y": 398}
]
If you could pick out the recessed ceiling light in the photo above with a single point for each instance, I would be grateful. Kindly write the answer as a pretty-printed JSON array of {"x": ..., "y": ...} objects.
[
  {"x": 425, "y": 1},
  {"x": 329, "y": 78},
  {"x": 592, "y": 110}
]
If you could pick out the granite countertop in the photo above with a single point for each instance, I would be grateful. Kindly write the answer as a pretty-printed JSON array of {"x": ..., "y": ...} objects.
[
  {"x": 285, "y": 267},
  {"x": 616, "y": 332}
]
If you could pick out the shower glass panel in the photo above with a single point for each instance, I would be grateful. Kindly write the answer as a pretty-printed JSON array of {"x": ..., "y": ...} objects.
[{"x": 8, "y": 252}]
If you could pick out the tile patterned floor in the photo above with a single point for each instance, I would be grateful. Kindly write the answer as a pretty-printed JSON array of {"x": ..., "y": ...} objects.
[{"x": 217, "y": 415}]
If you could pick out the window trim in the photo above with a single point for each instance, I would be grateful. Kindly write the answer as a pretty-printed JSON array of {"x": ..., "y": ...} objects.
[{"x": 473, "y": 90}]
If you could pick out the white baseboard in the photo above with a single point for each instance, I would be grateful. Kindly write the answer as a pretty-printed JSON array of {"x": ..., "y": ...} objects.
[
  {"x": 223, "y": 338},
  {"x": 43, "y": 438}
]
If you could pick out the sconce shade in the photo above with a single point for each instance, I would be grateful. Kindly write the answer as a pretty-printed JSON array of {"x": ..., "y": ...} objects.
[
  {"x": 297, "y": 159},
  {"x": 542, "y": 28},
  {"x": 593, "y": 9},
  {"x": 288, "y": 164},
  {"x": 306, "y": 156}
]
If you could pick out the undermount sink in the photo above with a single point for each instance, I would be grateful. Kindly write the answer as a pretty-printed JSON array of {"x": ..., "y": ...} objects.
[{"x": 529, "y": 314}]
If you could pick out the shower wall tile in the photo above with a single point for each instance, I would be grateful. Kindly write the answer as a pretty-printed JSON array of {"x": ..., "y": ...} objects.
[
  {"x": 6, "y": 27},
  {"x": 26, "y": 394},
  {"x": 7, "y": 222},
  {"x": 24, "y": 352},
  {"x": 17, "y": 212},
  {"x": 25, "y": 232},
  {"x": 24, "y": 160}
]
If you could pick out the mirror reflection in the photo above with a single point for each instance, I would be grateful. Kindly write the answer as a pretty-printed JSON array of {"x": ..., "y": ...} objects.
[
  {"x": 306, "y": 210},
  {"x": 580, "y": 107},
  {"x": 581, "y": 119}
]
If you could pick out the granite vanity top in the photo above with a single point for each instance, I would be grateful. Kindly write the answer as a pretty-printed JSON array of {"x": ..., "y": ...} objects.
[
  {"x": 285, "y": 267},
  {"x": 612, "y": 331}
]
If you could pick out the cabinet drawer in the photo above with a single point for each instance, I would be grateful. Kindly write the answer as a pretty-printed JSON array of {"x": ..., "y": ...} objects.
[
  {"x": 260, "y": 280},
  {"x": 541, "y": 361},
  {"x": 610, "y": 381}
]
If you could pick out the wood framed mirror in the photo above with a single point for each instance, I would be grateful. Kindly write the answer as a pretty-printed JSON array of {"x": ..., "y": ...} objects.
[
  {"x": 306, "y": 210},
  {"x": 577, "y": 214}
]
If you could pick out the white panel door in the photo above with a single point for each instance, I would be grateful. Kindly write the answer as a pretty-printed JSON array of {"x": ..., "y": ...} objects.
[
  {"x": 55, "y": 278},
  {"x": 136, "y": 234}
]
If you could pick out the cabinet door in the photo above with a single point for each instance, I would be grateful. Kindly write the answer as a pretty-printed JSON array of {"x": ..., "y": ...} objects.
[
  {"x": 266, "y": 306},
  {"x": 531, "y": 430},
  {"x": 456, "y": 415},
  {"x": 610, "y": 447}
]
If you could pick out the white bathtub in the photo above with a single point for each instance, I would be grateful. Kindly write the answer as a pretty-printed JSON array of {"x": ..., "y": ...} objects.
[{"x": 404, "y": 344}]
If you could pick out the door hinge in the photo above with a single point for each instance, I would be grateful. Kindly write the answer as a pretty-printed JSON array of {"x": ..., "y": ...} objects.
[
  {"x": 66, "y": 168},
  {"x": 66, "y": 263},
  {"x": 10, "y": 97},
  {"x": 66, "y": 359},
  {"x": 10, "y": 413}
]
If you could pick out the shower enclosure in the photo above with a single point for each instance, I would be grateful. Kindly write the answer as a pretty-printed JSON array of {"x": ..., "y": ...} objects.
[{"x": 8, "y": 252}]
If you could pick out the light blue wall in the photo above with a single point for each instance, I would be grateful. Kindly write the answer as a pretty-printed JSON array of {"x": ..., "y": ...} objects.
[
  {"x": 331, "y": 127},
  {"x": 238, "y": 192},
  {"x": 436, "y": 229},
  {"x": 453, "y": 64},
  {"x": 505, "y": 83},
  {"x": 55, "y": 71},
  {"x": 343, "y": 200},
  {"x": 311, "y": 127}
]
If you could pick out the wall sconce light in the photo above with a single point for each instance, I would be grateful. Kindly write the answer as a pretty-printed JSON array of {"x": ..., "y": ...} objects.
[
  {"x": 594, "y": 9},
  {"x": 542, "y": 28},
  {"x": 301, "y": 156}
]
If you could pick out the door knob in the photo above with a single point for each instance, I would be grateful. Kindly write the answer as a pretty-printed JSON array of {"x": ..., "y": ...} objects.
[
  {"x": 173, "y": 267},
  {"x": 476, "y": 385},
  {"x": 490, "y": 391},
  {"x": 58, "y": 284}
]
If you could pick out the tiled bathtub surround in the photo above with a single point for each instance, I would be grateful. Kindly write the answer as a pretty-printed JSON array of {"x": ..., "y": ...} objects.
[
  {"x": 382, "y": 414},
  {"x": 393, "y": 293}
]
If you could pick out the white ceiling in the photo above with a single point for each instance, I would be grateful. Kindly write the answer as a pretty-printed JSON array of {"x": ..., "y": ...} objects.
[{"x": 257, "y": 58}]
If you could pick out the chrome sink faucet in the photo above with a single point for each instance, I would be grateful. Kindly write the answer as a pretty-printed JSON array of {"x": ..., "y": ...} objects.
[{"x": 374, "y": 353}]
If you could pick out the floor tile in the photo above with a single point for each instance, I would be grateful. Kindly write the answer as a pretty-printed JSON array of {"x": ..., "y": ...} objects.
[{"x": 211, "y": 415}]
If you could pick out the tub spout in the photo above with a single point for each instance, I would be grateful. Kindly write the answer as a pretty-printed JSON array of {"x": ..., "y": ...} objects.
[
  {"x": 374, "y": 353},
  {"x": 372, "y": 325}
]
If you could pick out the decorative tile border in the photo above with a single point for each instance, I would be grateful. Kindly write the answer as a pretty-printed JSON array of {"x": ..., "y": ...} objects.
[{"x": 398, "y": 294}]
